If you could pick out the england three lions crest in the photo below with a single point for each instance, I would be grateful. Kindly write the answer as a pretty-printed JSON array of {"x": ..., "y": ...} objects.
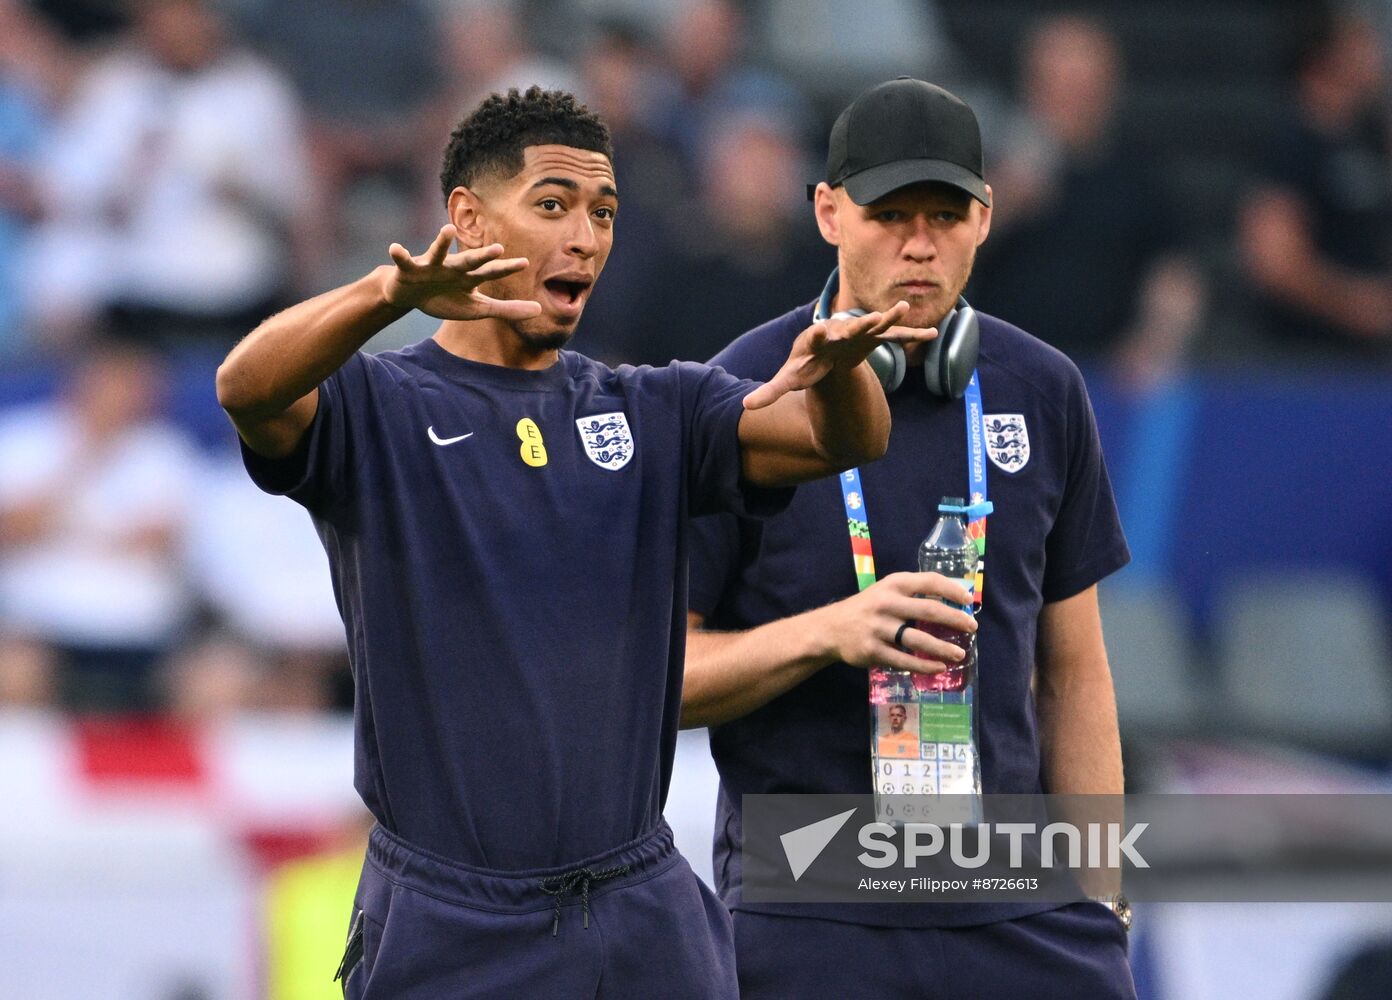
[
  {"x": 1007, "y": 440},
  {"x": 607, "y": 439}
]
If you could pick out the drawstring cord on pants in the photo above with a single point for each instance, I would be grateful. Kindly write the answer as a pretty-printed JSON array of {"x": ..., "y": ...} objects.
[{"x": 569, "y": 882}]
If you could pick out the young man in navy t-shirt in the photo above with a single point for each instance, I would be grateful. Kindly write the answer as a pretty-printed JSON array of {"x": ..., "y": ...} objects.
[
  {"x": 506, "y": 525},
  {"x": 781, "y": 677}
]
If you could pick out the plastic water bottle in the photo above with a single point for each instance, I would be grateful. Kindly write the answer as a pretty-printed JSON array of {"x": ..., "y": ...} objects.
[{"x": 948, "y": 550}]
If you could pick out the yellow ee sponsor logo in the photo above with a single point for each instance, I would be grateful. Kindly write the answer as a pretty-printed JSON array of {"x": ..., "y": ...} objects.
[{"x": 533, "y": 448}]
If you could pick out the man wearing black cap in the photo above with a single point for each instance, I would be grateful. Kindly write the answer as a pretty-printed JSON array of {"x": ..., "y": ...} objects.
[{"x": 781, "y": 676}]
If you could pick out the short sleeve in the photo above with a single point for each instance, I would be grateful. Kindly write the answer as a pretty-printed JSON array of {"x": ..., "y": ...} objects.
[
  {"x": 712, "y": 403},
  {"x": 1086, "y": 542},
  {"x": 318, "y": 473}
]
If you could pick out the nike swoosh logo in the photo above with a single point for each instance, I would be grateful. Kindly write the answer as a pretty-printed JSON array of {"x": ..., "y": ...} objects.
[{"x": 439, "y": 440}]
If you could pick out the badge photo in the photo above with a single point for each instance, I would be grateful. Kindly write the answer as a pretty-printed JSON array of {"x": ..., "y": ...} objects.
[
  {"x": 607, "y": 439},
  {"x": 1007, "y": 440}
]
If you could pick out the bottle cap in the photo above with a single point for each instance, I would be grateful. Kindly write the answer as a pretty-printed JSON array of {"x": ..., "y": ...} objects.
[{"x": 956, "y": 505}]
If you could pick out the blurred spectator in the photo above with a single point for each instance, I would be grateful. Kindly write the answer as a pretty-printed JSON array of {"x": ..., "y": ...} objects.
[
  {"x": 32, "y": 60},
  {"x": 94, "y": 490},
  {"x": 1082, "y": 250},
  {"x": 1317, "y": 233},
  {"x": 259, "y": 568},
  {"x": 211, "y": 679},
  {"x": 174, "y": 179},
  {"x": 890, "y": 37},
  {"x": 737, "y": 245},
  {"x": 623, "y": 83},
  {"x": 486, "y": 51},
  {"x": 705, "y": 47},
  {"x": 258, "y": 565},
  {"x": 750, "y": 250},
  {"x": 308, "y": 682},
  {"x": 28, "y": 674},
  {"x": 222, "y": 675},
  {"x": 369, "y": 74},
  {"x": 35, "y": 71}
]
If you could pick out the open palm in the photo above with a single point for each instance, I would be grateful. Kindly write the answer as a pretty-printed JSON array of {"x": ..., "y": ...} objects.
[
  {"x": 445, "y": 285},
  {"x": 835, "y": 343}
]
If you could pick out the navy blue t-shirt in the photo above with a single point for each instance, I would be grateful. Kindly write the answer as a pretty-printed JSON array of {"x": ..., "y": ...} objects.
[
  {"x": 508, "y": 550},
  {"x": 1053, "y": 534}
]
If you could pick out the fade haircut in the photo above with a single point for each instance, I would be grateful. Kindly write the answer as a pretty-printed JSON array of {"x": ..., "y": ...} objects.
[{"x": 491, "y": 140}]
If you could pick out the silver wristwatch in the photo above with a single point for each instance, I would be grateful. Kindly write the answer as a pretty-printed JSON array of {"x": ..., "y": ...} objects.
[{"x": 1119, "y": 905}]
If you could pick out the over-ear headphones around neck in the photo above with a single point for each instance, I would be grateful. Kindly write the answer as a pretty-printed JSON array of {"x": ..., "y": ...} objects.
[{"x": 950, "y": 358}]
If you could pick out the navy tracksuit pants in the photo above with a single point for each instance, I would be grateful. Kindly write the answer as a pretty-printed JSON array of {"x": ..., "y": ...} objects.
[
  {"x": 1073, "y": 952},
  {"x": 633, "y": 922}
]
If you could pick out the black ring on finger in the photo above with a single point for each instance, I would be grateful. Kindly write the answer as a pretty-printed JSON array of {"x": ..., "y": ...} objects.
[{"x": 899, "y": 637}]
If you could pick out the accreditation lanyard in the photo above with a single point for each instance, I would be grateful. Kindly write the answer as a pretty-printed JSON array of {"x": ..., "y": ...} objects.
[
  {"x": 932, "y": 751},
  {"x": 858, "y": 515}
]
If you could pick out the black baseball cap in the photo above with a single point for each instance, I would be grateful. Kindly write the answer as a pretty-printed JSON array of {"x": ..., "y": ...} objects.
[{"x": 903, "y": 132}]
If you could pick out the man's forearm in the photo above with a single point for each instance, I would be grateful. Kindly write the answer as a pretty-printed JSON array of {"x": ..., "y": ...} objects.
[
  {"x": 730, "y": 674},
  {"x": 1075, "y": 702},
  {"x": 1078, "y": 736},
  {"x": 288, "y": 355},
  {"x": 1082, "y": 756},
  {"x": 849, "y": 417}
]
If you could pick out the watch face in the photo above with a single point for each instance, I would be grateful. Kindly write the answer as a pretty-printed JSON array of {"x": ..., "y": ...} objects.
[{"x": 1122, "y": 908}]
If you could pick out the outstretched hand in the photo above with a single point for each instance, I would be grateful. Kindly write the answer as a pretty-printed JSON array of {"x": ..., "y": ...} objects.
[
  {"x": 835, "y": 344},
  {"x": 445, "y": 285}
]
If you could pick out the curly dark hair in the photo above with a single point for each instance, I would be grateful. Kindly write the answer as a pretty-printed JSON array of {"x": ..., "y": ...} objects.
[{"x": 492, "y": 138}]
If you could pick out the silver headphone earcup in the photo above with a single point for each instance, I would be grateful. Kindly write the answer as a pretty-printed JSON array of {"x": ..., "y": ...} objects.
[
  {"x": 890, "y": 365},
  {"x": 951, "y": 356},
  {"x": 932, "y": 358},
  {"x": 960, "y": 351}
]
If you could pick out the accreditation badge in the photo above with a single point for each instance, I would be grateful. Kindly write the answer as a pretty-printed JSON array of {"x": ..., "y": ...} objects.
[{"x": 923, "y": 742}]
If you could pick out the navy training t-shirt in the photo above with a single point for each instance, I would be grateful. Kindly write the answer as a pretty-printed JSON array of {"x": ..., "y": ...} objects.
[
  {"x": 1053, "y": 534},
  {"x": 508, "y": 550}
]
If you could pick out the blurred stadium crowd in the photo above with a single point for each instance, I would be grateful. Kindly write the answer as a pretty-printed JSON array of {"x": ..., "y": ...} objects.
[
  {"x": 1186, "y": 194},
  {"x": 1177, "y": 187}
]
